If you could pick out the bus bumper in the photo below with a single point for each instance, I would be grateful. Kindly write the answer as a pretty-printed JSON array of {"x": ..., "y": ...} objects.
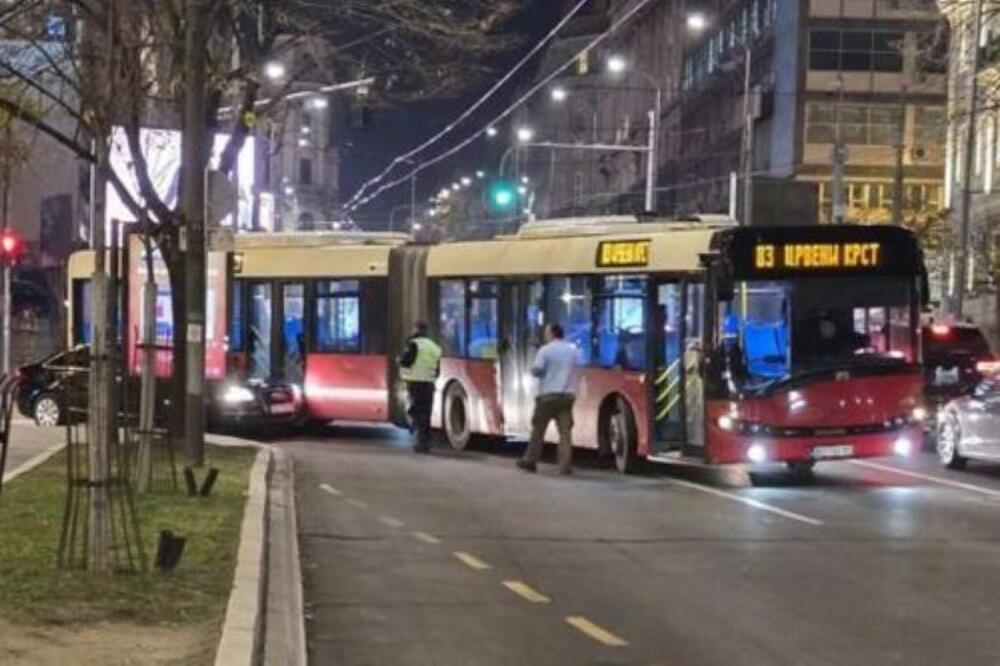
[{"x": 729, "y": 448}]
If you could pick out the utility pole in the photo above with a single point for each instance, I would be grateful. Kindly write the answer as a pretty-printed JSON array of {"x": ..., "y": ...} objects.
[
  {"x": 652, "y": 157},
  {"x": 839, "y": 158},
  {"x": 899, "y": 183},
  {"x": 193, "y": 232},
  {"x": 747, "y": 140},
  {"x": 968, "y": 160}
]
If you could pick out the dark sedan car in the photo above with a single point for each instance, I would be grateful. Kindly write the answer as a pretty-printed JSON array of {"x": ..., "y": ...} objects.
[
  {"x": 956, "y": 358},
  {"x": 57, "y": 386}
]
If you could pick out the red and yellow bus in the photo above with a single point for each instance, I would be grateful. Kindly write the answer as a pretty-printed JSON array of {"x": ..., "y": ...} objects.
[{"x": 698, "y": 339}]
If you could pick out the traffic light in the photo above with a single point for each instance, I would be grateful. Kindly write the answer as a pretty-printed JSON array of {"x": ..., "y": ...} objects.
[
  {"x": 10, "y": 245},
  {"x": 501, "y": 196}
]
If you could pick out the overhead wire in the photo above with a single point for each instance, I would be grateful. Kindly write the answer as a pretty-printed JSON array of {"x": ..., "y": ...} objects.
[
  {"x": 408, "y": 156},
  {"x": 356, "y": 203}
]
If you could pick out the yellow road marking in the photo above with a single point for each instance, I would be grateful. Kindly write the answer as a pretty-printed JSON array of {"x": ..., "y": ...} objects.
[
  {"x": 526, "y": 591},
  {"x": 356, "y": 503},
  {"x": 599, "y": 634},
  {"x": 426, "y": 538},
  {"x": 471, "y": 561},
  {"x": 390, "y": 521}
]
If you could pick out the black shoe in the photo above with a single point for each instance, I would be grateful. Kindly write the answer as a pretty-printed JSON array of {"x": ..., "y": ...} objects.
[{"x": 527, "y": 466}]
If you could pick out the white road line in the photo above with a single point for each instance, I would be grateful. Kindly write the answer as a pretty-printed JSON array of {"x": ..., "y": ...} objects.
[
  {"x": 356, "y": 503},
  {"x": 327, "y": 488},
  {"x": 426, "y": 538},
  {"x": 390, "y": 521},
  {"x": 791, "y": 515},
  {"x": 971, "y": 487},
  {"x": 597, "y": 633}
]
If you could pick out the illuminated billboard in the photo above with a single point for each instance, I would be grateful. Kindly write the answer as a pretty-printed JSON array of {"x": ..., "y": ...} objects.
[{"x": 162, "y": 150}]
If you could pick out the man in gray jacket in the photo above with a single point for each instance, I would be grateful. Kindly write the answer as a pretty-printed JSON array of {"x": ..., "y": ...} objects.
[{"x": 557, "y": 368}]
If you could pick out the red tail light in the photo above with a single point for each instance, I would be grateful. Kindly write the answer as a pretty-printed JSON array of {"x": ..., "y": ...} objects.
[{"x": 940, "y": 330}]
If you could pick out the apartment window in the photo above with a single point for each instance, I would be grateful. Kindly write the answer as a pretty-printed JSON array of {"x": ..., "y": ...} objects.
[
  {"x": 856, "y": 50},
  {"x": 305, "y": 171},
  {"x": 929, "y": 125},
  {"x": 741, "y": 26},
  {"x": 859, "y": 124}
]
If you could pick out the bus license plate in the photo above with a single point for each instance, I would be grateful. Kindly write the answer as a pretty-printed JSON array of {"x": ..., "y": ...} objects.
[
  {"x": 283, "y": 409},
  {"x": 839, "y": 451}
]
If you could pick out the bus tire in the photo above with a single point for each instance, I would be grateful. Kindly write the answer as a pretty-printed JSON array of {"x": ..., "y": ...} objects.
[
  {"x": 621, "y": 435},
  {"x": 455, "y": 414},
  {"x": 801, "y": 469}
]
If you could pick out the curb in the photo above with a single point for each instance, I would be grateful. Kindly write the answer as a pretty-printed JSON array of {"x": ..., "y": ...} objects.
[{"x": 242, "y": 630}]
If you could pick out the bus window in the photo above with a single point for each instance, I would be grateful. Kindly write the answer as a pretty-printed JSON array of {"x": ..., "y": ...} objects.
[
  {"x": 259, "y": 334},
  {"x": 483, "y": 319},
  {"x": 764, "y": 324},
  {"x": 568, "y": 304},
  {"x": 621, "y": 322},
  {"x": 535, "y": 314},
  {"x": 338, "y": 316},
  {"x": 236, "y": 322},
  {"x": 82, "y": 309},
  {"x": 293, "y": 303},
  {"x": 452, "y": 320}
]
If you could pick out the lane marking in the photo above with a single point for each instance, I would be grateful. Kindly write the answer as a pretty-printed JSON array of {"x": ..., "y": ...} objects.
[
  {"x": 471, "y": 561},
  {"x": 356, "y": 503},
  {"x": 929, "y": 477},
  {"x": 599, "y": 634},
  {"x": 526, "y": 591},
  {"x": 390, "y": 521},
  {"x": 327, "y": 488},
  {"x": 426, "y": 538},
  {"x": 791, "y": 515}
]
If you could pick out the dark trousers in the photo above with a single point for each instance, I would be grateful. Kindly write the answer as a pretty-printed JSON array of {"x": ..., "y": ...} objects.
[
  {"x": 421, "y": 405},
  {"x": 556, "y": 407}
]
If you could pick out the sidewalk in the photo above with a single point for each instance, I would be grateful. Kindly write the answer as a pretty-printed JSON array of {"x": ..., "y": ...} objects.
[{"x": 28, "y": 440}]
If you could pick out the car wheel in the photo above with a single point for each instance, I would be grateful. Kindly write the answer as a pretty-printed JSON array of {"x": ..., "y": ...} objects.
[
  {"x": 802, "y": 469},
  {"x": 949, "y": 435},
  {"x": 620, "y": 433},
  {"x": 47, "y": 411},
  {"x": 456, "y": 417}
]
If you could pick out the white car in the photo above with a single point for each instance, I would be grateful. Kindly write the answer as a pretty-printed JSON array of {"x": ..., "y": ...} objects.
[{"x": 969, "y": 427}]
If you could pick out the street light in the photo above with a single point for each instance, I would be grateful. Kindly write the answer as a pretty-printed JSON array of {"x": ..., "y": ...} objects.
[
  {"x": 319, "y": 103},
  {"x": 275, "y": 70},
  {"x": 558, "y": 94},
  {"x": 617, "y": 64},
  {"x": 480, "y": 175},
  {"x": 444, "y": 194},
  {"x": 456, "y": 187},
  {"x": 525, "y": 134},
  {"x": 525, "y": 180},
  {"x": 696, "y": 22},
  {"x": 466, "y": 181},
  {"x": 491, "y": 131}
]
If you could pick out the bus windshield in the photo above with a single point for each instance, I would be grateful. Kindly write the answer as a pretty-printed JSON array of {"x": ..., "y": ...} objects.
[{"x": 780, "y": 328}]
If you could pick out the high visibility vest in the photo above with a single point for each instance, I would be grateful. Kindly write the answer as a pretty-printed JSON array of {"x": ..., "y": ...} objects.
[{"x": 425, "y": 365}]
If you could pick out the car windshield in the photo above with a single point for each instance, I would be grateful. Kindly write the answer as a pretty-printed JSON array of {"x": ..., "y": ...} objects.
[
  {"x": 783, "y": 328},
  {"x": 945, "y": 340}
]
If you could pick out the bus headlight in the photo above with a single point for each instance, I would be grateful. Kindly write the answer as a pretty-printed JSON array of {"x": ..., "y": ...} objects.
[
  {"x": 727, "y": 423},
  {"x": 236, "y": 394},
  {"x": 757, "y": 453},
  {"x": 902, "y": 446},
  {"x": 919, "y": 414}
]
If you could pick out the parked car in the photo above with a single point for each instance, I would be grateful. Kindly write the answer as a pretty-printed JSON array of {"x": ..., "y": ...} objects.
[
  {"x": 55, "y": 389},
  {"x": 969, "y": 427},
  {"x": 957, "y": 358}
]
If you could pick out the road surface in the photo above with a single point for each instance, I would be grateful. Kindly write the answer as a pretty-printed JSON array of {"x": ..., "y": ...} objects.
[{"x": 462, "y": 559}]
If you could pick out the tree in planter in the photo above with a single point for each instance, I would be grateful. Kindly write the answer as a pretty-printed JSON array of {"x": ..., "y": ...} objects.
[{"x": 120, "y": 63}]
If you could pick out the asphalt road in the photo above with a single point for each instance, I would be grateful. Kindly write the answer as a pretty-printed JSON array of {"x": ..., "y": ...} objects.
[{"x": 462, "y": 559}]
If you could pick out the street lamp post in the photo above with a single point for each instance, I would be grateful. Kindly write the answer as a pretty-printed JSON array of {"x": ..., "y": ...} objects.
[
  {"x": 617, "y": 65},
  {"x": 747, "y": 137}
]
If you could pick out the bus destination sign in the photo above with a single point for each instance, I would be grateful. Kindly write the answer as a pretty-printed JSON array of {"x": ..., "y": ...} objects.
[
  {"x": 623, "y": 254},
  {"x": 805, "y": 257}
]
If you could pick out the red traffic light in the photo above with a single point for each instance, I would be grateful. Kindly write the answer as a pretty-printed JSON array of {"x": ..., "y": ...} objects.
[{"x": 10, "y": 244}]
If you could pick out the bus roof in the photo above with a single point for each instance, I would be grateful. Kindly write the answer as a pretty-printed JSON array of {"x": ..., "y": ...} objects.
[
  {"x": 582, "y": 245},
  {"x": 320, "y": 239}
]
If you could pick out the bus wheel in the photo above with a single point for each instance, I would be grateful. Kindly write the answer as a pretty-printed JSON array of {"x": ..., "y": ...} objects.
[
  {"x": 618, "y": 426},
  {"x": 801, "y": 469},
  {"x": 456, "y": 417}
]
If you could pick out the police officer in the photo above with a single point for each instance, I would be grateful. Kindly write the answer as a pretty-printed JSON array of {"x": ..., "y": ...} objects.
[{"x": 419, "y": 366}]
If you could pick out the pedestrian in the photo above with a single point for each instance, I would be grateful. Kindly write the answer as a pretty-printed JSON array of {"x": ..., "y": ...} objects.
[
  {"x": 557, "y": 368},
  {"x": 419, "y": 366}
]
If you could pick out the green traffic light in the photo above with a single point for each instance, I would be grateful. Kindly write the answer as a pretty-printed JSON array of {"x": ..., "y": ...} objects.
[{"x": 502, "y": 196}]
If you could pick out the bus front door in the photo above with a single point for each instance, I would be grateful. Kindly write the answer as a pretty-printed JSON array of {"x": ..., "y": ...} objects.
[{"x": 667, "y": 400}]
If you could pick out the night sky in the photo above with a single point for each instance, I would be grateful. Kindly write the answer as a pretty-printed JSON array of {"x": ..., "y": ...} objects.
[{"x": 365, "y": 152}]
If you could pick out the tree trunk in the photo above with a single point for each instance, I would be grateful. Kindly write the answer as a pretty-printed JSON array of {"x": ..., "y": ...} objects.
[{"x": 178, "y": 377}]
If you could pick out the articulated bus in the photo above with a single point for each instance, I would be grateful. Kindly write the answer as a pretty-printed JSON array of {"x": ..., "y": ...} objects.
[{"x": 698, "y": 340}]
